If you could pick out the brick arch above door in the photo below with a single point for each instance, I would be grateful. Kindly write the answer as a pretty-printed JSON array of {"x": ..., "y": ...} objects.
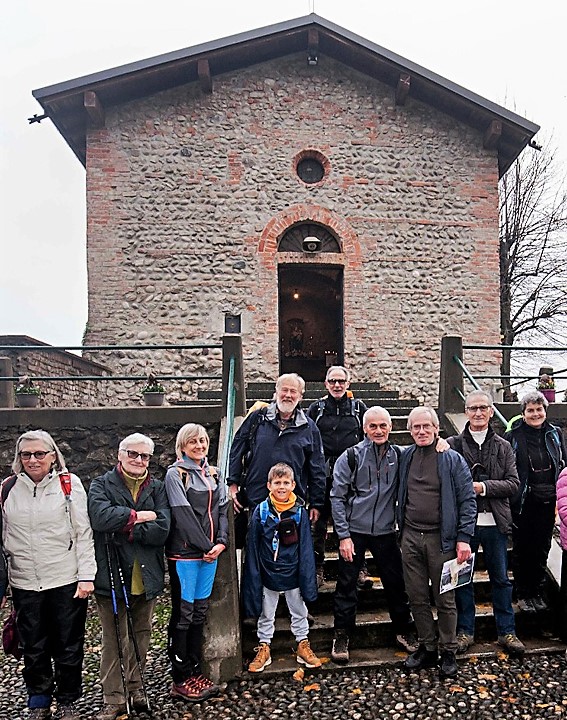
[{"x": 268, "y": 245}]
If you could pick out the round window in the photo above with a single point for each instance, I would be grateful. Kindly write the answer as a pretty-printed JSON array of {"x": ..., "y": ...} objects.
[{"x": 310, "y": 170}]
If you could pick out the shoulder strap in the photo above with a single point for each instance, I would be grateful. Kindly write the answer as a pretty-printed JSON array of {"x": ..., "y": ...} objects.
[
  {"x": 65, "y": 480},
  {"x": 320, "y": 410},
  {"x": 257, "y": 418},
  {"x": 7, "y": 485},
  {"x": 351, "y": 457},
  {"x": 264, "y": 511},
  {"x": 184, "y": 476}
]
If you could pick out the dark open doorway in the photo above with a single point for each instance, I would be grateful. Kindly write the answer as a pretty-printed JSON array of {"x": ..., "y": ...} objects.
[{"x": 310, "y": 319}]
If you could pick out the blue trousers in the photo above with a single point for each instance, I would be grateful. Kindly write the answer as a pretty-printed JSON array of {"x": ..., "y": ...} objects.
[{"x": 495, "y": 552}]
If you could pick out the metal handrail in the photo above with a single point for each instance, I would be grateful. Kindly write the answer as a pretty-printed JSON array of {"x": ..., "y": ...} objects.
[
  {"x": 52, "y": 348},
  {"x": 476, "y": 386},
  {"x": 230, "y": 404},
  {"x": 113, "y": 377}
]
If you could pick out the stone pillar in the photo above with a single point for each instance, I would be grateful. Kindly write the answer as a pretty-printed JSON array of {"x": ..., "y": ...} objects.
[
  {"x": 451, "y": 375},
  {"x": 6, "y": 386}
]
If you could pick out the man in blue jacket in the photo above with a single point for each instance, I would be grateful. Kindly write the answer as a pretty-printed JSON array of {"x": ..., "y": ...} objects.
[
  {"x": 436, "y": 519},
  {"x": 280, "y": 432}
]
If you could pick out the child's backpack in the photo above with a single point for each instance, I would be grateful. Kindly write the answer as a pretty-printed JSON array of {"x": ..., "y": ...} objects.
[{"x": 286, "y": 529}]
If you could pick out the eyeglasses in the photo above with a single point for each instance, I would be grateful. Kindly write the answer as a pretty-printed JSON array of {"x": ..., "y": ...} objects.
[
  {"x": 38, "y": 454},
  {"x": 132, "y": 454},
  {"x": 474, "y": 408},
  {"x": 336, "y": 381}
]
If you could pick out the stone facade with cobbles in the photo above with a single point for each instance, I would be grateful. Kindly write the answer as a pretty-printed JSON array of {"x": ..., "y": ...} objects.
[{"x": 188, "y": 194}]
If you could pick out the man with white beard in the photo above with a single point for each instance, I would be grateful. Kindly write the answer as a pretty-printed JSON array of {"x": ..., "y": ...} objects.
[{"x": 280, "y": 432}]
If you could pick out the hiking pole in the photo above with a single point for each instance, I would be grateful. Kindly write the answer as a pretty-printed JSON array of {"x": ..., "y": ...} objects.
[
  {"x": 117, "y": 627},
  {"x": 131, "y": 629}
]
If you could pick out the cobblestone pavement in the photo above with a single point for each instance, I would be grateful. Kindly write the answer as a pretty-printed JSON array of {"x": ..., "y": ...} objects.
[{"x": 487, "y": 688}]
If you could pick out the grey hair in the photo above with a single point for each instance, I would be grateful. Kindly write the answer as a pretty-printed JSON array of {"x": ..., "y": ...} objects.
[
  {"x": 137, "y": 439},
  {"x": 291, "y": 377},
  {"x": 423, "y": 408},
  {"x": 50, "y": 444},
  {"x": 188, "y": 431},
  {"x": 338, "y": 367},
  {"x": 371, "y": 411},
  {"x": 477, "y": 393},
  {"x": 535, "y": 397}
]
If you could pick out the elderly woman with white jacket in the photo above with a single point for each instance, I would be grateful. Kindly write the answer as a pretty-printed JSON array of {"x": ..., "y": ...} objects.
[{"x": 48, "y": 542}]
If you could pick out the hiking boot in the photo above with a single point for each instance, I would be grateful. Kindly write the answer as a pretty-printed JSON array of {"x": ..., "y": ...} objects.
[
  {"x": 138, "y": 700},
  {"x": 448, "y": 667},
  {"x": 320, "y": 577},
  {"x": 111, "y": 711},
  {"x": 407, "y": 642},
  {"x": 262, "y": 659},
  {"x": 39, "y": 713},
  {"x": 306, "y": 656},
  {"x": 364, "y": 581},
  {"x": 203, "y": 683},
  {"x": 539, "y": 604},
  {"x": 68, "y": 712},
  {"x": 189, "y": 691},
  {"x": 526, "y": 605},
  {"x": 512, "y": 644},
  {"x": 421, "y": 658},
  {"x": 464, "y": 641},
  {"x": 339, "y": 653}
]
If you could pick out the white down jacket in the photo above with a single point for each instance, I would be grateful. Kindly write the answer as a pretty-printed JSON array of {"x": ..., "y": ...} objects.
[{"x": 47, "y": 537}]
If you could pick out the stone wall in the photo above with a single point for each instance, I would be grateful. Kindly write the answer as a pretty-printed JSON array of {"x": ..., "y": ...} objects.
[
  {"x": 89, "y": 439},
  {"x": 188, "y": 195}
]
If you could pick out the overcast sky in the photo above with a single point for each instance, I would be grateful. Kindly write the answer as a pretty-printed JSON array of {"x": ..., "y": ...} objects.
[{"x": 511, "y": 52}]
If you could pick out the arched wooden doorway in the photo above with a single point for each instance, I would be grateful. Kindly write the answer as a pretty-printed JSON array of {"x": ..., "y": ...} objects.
[{"x": 310, "y": 299}]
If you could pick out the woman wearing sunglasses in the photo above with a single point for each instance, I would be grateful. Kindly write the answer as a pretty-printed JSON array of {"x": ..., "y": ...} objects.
[
  {"x": 48, "y": 542},
  {"x": 130, "y": 517}
]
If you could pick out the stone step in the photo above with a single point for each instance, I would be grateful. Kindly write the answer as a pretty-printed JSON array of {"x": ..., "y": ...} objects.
[{"x": 374, "y": 630}]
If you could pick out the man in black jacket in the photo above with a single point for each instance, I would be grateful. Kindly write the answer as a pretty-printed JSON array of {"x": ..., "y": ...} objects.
[
  {"x": 495, "y": 480},
  {"x": 339, "y": 419}
]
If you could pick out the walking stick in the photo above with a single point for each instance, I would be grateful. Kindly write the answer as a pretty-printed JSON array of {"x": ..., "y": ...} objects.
[
  {"x": 117, "y": 627},
  {"x": 131, "y": 628}
]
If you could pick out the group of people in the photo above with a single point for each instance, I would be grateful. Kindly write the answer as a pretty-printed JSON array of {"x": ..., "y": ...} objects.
[
  {"x": 414, "y": 509},
  {"x": 292, "y": 471},
  {"x": 62, "y": 545}
]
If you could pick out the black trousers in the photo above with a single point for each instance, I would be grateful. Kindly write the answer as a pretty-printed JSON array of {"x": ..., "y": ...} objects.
[
  {"x": 51, "y": 624},
  {"x": 388, "y": 559},
  {"x": 531, "y": 535}
]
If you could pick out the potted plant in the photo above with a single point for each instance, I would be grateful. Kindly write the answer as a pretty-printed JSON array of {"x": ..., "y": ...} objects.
[
  {"x": 546, "y": 386},
  {"x": 153, "y": 391},
  {"x": 27, "y": 394}
]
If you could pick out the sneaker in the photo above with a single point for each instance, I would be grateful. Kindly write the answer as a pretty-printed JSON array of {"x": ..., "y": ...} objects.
[
  {"x": 306, "y": 656},
  {"x": 421, "y": 658},
  {"x": 320, "y": 577},
  {"x": 339, "y": 653},
  {"x": 512, "y": 644},
  {"x": 189, "y": 691},
  {"x": 407, "y": 642},
  {"x": 526, "y": 605},
  {"x": 262, "y": 659},
  {"x": 448, "y": 667},
  {"x": 539, "y": 604},
  {"x": 39, "y": 713},
  {"x": 364, "y": 581},
  {"x": 67, "y": 712},
  {"x": 464, "y": 641},
  {"x": 111, "y": 711}
]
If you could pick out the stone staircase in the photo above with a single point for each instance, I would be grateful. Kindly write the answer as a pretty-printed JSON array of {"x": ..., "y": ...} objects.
[
  {"x": 373, "y": 641},
  {"x": 370, "y": 393}
]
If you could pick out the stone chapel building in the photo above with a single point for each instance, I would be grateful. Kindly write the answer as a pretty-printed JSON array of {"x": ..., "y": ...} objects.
[{"x": 329, "y": 198}]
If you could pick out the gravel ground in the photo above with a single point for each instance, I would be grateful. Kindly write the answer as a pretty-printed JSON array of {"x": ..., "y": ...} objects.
[{"x": 486, "y": 689}]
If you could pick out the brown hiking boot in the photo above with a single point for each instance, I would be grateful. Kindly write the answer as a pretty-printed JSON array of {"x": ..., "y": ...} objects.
[
  {"x": 111, "y": 711},
  {"x": 189, "y": 691},
  {"x": 262, "y": 659},
  {"x": 512, "y": 644},
  {"x": 306, "y": 656}
]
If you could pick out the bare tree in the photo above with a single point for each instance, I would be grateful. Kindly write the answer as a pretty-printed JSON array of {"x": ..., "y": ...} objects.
[{"x": 533, "y": 266}]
